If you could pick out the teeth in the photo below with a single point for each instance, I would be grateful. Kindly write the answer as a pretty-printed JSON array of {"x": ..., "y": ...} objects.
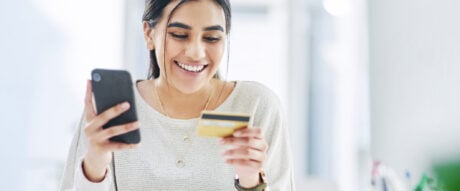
[{"x": 191, "y": 68}]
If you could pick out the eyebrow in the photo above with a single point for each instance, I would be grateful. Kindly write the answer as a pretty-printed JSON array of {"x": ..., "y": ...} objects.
[
  {"x": 214, "y": 27},
  {"x": 184, "y": 26}
]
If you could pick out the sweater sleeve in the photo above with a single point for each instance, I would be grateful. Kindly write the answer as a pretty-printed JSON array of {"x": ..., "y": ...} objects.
[
  {"x": 279, "y": 157},
  {"x": 278, "y": 165},
  {"x": 73, "y": 177}
]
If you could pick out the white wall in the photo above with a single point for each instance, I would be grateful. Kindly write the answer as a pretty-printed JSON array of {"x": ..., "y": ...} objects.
[{"x": 415, "y": 76}]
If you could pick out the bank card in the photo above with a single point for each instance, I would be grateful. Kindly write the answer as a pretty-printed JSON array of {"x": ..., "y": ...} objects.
[{"x": 221, "y": 124}]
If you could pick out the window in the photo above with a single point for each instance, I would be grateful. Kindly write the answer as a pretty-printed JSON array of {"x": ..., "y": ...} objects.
[
  {"x": 338, "y": 104},
  {"x": 48, "y": 51}
]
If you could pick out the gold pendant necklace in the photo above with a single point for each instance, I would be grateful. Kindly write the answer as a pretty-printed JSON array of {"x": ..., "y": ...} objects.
[{"x": 162, "y": 105}]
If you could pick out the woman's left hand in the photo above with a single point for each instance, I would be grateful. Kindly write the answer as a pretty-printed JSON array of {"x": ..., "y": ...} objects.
[{"x": 246, "y": 152}]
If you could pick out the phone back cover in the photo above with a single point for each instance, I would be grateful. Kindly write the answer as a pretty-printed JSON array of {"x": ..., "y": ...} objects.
[{"x": 114, "y": 87}]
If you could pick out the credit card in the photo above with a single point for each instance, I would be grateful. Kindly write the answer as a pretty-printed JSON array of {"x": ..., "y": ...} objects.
[{"x": 221, "y": 124}]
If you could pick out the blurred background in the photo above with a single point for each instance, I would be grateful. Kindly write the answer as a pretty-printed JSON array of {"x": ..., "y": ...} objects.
[{"x": 360, "y": 81}]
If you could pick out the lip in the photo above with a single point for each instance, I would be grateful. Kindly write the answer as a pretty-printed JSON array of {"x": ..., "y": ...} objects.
[{"x": 190, "y": 64}]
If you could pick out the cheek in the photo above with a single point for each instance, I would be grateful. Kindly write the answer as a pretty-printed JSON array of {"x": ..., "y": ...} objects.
[
  {"x": 173, "y": 49},
  {"x": 215, "y": 52}
]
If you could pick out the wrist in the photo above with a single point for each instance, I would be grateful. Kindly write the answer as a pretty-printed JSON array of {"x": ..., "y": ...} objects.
[
  {"x": 94, "y": 173},
  {"x": 259, "y": 186},
  {"x": 248, "y": 181}
]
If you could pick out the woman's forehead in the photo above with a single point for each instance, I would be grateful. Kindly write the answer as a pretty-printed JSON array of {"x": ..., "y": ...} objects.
[{"x": 197, "y": 13}]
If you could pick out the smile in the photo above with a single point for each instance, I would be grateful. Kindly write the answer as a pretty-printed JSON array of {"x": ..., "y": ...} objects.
[{"x": 190, "y": 68}]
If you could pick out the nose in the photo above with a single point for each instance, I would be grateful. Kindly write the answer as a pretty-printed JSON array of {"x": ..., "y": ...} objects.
[{"x": 195, "y": 50}]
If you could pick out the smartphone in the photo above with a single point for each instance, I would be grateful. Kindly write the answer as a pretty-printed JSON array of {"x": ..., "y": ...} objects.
[{"x": 111, "y": 87}]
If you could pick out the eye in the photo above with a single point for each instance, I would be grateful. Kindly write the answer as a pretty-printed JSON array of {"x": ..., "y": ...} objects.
[
  {"x": 211, "y": 39},
  {"x": 178, "y": 36}
]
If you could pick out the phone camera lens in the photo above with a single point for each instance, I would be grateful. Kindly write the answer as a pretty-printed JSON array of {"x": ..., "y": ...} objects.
[{"x": 97, "y": 77}]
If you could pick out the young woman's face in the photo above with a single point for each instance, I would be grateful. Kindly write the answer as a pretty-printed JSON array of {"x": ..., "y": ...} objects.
[{"x": 193, "y": 45}]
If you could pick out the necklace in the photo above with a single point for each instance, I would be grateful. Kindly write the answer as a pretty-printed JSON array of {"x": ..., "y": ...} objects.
[
  {"x": 163, "y": 107},
  {"x": 180, "y": 150}
]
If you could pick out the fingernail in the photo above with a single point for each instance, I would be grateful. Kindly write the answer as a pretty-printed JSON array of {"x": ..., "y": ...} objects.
[
  {"x": 125, "y": 105},
  {"x": 238, "y": 133}
]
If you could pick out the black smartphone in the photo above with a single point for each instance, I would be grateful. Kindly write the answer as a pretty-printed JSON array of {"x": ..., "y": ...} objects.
[{"x": 111, "y": 87}]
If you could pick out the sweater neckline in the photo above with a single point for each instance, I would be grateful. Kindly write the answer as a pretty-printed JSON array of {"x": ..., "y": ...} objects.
[{"x": 140, "y": 102}]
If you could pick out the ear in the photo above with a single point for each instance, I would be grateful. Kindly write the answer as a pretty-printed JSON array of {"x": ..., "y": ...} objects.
[{"x": 148, "y": 36}]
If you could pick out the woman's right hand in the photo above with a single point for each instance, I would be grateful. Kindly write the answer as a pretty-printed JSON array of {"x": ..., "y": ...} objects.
[{"x": 100, "y": 148}]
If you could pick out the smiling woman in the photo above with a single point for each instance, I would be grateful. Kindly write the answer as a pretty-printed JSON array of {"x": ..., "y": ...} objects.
[
  {"x": 186, "y": 40},
  {"x": 191, "y": 43}
]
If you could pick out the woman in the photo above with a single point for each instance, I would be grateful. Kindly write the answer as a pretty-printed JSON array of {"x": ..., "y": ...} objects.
[{"x": 186, "y": 40}]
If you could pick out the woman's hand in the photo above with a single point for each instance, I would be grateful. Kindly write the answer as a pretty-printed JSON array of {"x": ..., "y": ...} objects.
[
  {"x": 246, "y": 152},
  {"x": 100, "y": 148}
]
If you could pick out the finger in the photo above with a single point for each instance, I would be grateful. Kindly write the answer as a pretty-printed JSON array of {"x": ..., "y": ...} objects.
[
  {"x": 89, "y": 108},
  {"x": 118, "y": 130},
  {"x": 249, "y": 132},
  {"x": 244, "y": 154},
  {"x": 258, "y": 144},
  {"x": 246, "y": 164},
  {"x": 108, "y": 114}
]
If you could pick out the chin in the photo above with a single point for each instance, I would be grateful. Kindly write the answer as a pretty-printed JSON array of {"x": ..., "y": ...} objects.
[{"x": 190, "y": 82}]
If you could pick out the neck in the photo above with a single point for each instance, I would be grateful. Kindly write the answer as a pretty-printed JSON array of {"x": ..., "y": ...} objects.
[
  {"x": 172, "y": 93},
  {"x": 177, "y": 104}
]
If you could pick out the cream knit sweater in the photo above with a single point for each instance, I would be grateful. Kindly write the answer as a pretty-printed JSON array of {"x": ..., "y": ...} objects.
[{"x": 173, "y": 157}]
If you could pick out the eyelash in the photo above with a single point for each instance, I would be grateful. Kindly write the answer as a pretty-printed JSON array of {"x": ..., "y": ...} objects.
[{"x": 183, "y": 37}]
